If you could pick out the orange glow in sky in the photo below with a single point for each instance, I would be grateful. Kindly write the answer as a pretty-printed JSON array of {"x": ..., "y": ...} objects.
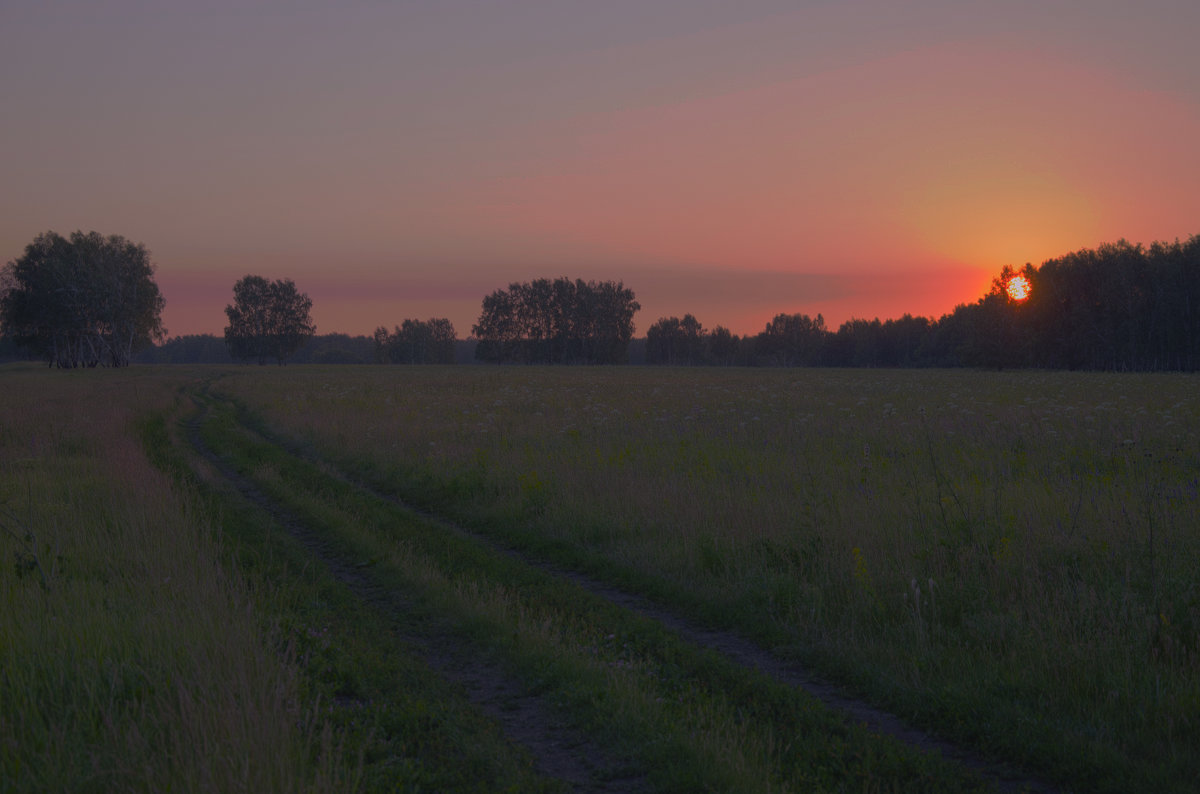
[{"x": 732, "y": 161}]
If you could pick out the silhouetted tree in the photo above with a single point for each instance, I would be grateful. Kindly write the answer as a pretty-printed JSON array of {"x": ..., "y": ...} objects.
[
  {"x": 721, "y": 347},
  {"x": 267, "y": 320},
  {"x": 605, "y": 310},
  {"x": 857, "y": 343},
  {"x": 417, "y": 342},
  {"x": 187, "y": 349},
  {"x": 380, "y": 338},
  {"x": 1175, "y": 304},
  {"x": 1120, "y": 306},
  {"x": 84, "y": 301},
  {"x": 10, "y": 351},
  {"x": 557, "y": 322},
  {"x": 905, "y": 342},
  {"x": 334, "y": 349},
  {"x": 674, "y": 341},
  {"x": 791, "y": 340},
  {"x": 499, "y": 331}
]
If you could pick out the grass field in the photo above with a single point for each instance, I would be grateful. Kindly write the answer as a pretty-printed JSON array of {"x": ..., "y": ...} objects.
[
  {"x": 130, "y": 657},
  {"x": 1007, "y": 560}
]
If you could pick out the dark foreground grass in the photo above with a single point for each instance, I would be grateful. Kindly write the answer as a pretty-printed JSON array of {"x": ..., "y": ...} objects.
[
  {"x": 686, "y": 718},
  {"x": 131, "y": 659},
  {"x": 158, "y": 632},
  {"x": 400, "y": 724},
  {"x": 1007, "y": 559}
]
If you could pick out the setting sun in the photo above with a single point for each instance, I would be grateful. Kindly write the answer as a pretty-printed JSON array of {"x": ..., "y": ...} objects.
[{"x": 1018, "y": 288}]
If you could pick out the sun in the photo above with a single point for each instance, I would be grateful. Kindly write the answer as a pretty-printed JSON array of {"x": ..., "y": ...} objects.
[{"x": 1018, "y": 288}]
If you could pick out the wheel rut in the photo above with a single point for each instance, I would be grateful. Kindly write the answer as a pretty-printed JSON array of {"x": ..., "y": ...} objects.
[
  {"x": 559, "y": 750},
  {"x": 734, "y": 647},
  {"x": 750, "y": 655}
]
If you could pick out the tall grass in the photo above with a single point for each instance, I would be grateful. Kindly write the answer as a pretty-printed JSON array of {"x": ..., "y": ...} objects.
[
  {"x": 691, "y": 721},
  {"x": 130, "y": 659},
  {"x": 1008, "y": 557}
]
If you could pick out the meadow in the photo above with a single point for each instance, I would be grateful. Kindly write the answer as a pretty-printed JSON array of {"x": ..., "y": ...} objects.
[
  {"x": 131, "y": 658},
  {"x": 1007, "y": 560}
]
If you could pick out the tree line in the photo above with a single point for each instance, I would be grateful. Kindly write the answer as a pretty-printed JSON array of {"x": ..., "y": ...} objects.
[
  {"x": 1117, "y": 307},
  {"x": 90, "y": 300},
  {"x": 797, "y": 340}
]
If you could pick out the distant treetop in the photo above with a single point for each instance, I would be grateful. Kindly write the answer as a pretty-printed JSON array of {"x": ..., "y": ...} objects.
[{"x": 557, "y": 322}]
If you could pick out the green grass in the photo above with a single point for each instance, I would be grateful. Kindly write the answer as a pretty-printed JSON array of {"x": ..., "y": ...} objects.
[
  {"x": 688, "y": 719},
  {"x": 130, "y": 658},
  {"x": 158, "y": 632},
  {"x": 1006, "y": 557},
  {"x": 405, "y": 727}
]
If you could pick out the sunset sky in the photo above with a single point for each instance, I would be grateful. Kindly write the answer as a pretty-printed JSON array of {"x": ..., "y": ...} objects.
[{"x": 734, "y": 160}]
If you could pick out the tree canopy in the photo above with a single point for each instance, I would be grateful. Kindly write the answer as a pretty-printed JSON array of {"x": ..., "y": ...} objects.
[
  {"x": 81, "y": 301},
  {"x": 793, "y": 340},
  {"x": 268, "y": 320},
  {"x": 673, "y": 341},
  {"x": 1119, "y": 307},
  {"x": 417, "y": 342},
  {"x": 557, "y": 322}
]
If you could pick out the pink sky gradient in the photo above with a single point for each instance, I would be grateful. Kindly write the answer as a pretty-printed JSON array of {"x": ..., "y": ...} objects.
[{"x": 733, "y": 161}]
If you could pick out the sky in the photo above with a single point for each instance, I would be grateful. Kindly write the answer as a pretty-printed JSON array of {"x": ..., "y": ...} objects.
[{"x": 729, "y": 160}]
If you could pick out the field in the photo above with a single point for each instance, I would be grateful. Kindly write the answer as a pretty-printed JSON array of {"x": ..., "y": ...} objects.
[{"x": 609, "y": 579}]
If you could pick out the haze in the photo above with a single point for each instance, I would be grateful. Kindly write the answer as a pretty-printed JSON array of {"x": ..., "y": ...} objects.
[{"x": 732, "y": 160}]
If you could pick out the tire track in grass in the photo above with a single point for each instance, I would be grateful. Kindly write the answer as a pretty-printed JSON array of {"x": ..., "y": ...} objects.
[
  {"x": 734, "y": 647},
  {"x": 559, "y": 750}
]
